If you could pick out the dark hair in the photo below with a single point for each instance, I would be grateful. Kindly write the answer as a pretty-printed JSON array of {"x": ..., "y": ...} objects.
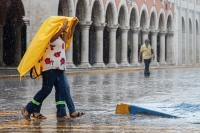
[{"x": 147, "y": 40}]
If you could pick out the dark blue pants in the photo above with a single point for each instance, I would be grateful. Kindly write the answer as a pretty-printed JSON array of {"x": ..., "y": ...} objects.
[
  {"x": 68, "y": 98},
  {"x": 51, "y": 78},
  {"x": 146, "y": 70}
]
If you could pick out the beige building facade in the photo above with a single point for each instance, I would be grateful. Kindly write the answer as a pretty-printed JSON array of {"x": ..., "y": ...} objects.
[{"x": 102, "y": 36}]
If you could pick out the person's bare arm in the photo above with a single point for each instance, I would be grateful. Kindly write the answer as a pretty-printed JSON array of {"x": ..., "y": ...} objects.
[
  {"x": 64, "y": 27},
  {"x": 64, "y": 36}
]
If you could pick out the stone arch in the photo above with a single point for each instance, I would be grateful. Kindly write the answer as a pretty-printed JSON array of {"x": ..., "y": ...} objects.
[
  {"x": 123, "y": 14},
  {"x": 111, "y": 13},
  {"x": 96, "y": 18},
  {"x": 161, "y": 22},
  {"x": 66, "y": 8},
  {"x": 98, "y": 9},
  {"x": 83, "y": 10},
  {"x": 153, "y": 18},
  {"x": 134, "y": 16},
  {"x": 110, "y": 20},
  {"x": 144, "y": 17},
  {"x": 14, "y": 33},
  {"x": 169, "y": 25},
  {"x": 183, "y": 42}
]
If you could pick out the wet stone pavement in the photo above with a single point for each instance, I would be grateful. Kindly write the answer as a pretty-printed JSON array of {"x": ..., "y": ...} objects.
[{"x": 173, "y": 91}]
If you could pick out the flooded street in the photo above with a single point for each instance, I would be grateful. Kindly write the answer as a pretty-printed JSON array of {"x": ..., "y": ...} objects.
[{"x": 173, "y": 91}]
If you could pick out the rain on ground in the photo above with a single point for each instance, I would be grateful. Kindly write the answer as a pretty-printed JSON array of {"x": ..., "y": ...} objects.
[{"x": 173, "y": 91}]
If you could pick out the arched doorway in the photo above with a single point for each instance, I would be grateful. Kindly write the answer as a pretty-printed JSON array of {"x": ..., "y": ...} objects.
[
  {"x": 144, "y": 32},
  {"x": 77, "y": 43},
  {"x": 121, "y": 21},
  {"x": 153, "y": 35},
  {"x": 143, "y": 22},
  {"x": 183, "y": 42},
  {"x": 131, "y": 47},
  {"x": 109, "y": 20},
  {"x": 133, "y": 37},
  {"x": 14, "y": 33},
  {"x": 153, "y": 21},
  {"x": 95, "y": 18}
]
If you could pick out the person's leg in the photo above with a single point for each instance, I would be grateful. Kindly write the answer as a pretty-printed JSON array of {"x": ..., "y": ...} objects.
[
  {"x": 148, "y": 72},
  {"x": 60, "y": 95},
  {"x": 68, "y": 98},
  {"x": 146, "y": 67},
  {"x": 48, "y": 78},
  {"x": 69, "y": 101}
]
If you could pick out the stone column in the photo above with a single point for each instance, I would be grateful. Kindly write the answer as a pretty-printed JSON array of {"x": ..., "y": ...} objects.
[
  {"x": 144, "y": 35},
  {"x": 124, "y": 38},
  {"x": 27, "y": 22},
  {"x": 1, "y": 46},
  {"x": 69, "y": 52},
  {"x": 18, "y": 41},
  {"x": 154, "y": 34},
  {"x": 69, "y": 56},
  {"x": 112, "y": 45},
  {"x": 99, "y": 38},
  {"x": 162, "y": 48},
  {"x": 85, "y": 44},
  {"x": 170, "y": 44},
  {"x": 135, "y": 32}
]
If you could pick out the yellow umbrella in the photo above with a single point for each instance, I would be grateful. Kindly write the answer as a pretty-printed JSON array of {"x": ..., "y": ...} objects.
[{"x": 40, "y": 41}]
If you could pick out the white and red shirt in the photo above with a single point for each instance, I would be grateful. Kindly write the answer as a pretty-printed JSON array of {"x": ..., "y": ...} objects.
[{"x": 54, "y": 56}]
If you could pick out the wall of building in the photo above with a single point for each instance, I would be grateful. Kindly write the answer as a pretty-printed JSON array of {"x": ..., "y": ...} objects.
[
  {"x": 187, "y": 14},
  {"x": 151, "y": 19}
]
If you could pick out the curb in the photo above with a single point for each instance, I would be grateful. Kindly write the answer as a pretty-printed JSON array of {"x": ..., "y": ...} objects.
[
  {"x": 124, "y": 108},
  {"x": 89, "y": 70}
]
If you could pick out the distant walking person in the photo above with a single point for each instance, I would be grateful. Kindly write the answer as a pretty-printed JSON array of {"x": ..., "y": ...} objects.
[{"x": 146, "y": 52}]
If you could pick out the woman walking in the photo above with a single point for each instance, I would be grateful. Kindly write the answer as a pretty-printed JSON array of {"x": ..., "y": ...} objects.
[{"x": 53, "y": 74}]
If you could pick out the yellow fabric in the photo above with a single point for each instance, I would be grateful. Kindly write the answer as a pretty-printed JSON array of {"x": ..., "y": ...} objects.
[
  {"x": 40, "y": 41},
  {"x": 146, "y": 51}
]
